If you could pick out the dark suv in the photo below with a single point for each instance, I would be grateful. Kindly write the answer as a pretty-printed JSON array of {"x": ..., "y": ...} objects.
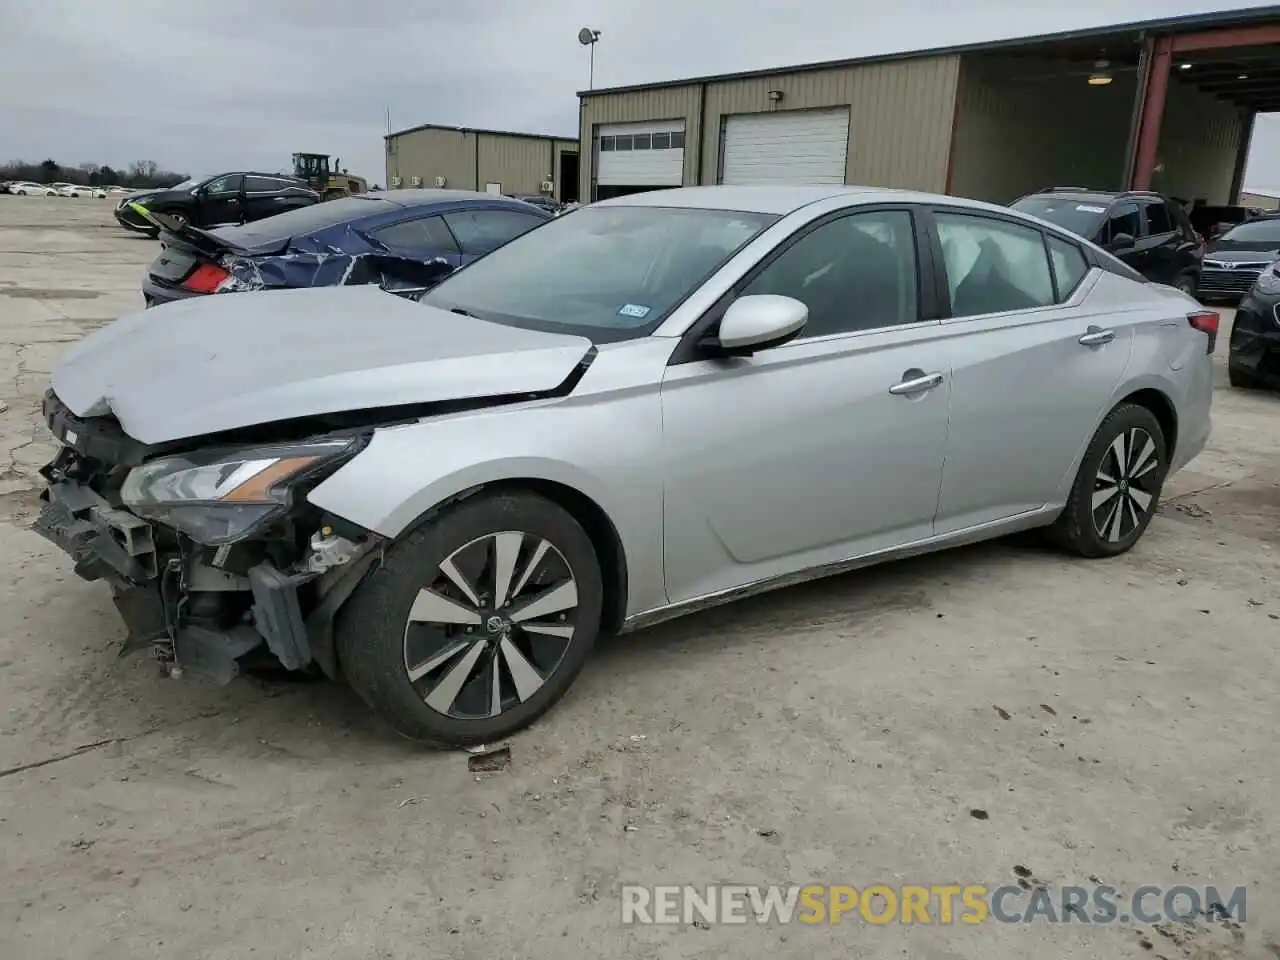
[
  {"x": 1148, "y": 231},
  {"x": 228, "y": 198}
]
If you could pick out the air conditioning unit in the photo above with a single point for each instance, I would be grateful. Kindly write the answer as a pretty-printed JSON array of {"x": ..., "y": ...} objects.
[
  {"x": 415, "y": 181},
  {"x": 548, "y": 186},
  {"x": 395, "y": 181},
  {"x": 440, "y": 181}
]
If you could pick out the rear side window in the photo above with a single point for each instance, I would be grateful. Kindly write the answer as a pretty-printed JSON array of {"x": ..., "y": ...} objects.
[
  {"x": 1124, "y": 218},
  {"x": 1069, "y": 266},
  {"x": 1158, "y": 221},
  {"x": 993, "y": 266},
  {"x": 425, "y": 234},
  {"x": 296, "y": 223},
  {"x": 482, "y": 231}
]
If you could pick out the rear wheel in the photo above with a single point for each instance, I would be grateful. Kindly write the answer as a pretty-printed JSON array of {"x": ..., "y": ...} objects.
[
  {"x": 476, "y": 622},
  {"x": 1117, "y": 486}
]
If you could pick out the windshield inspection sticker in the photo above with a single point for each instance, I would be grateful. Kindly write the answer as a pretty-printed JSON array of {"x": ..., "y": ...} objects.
[
  {"x": 634, "y": 310},
  {"x": 1089, "y": 208}
]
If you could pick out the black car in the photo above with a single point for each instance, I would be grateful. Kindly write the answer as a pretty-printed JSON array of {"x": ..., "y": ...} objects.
[
  {"x": 1148, "y": 231},
  {"x": 1253, "y": 353},
  {"x": 228, "y": 198},
  {"x": 1235, "y": 260}
]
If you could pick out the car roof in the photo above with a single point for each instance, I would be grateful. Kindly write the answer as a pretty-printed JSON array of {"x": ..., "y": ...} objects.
[
  {"x": 418, "y": 196},
  {"x": 782, "y": 200}
]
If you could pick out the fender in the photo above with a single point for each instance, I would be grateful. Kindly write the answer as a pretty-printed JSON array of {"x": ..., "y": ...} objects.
[{"x": 603, "y": 442}]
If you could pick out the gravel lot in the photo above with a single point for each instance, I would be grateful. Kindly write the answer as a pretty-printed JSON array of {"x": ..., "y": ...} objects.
[{"x": 1115, "y": 721}]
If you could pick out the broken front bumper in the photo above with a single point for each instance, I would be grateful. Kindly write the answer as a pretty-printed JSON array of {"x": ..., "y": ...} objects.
[
  {"x": 1255, "y": 339},
  {"x": 154, "y": 588}
]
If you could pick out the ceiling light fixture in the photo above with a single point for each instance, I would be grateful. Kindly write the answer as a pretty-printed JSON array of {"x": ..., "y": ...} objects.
[
  {"x": 1101, "y": 75},
  {"x": 1243, "y": 76},
  {"x": 1184, "y": 66}
]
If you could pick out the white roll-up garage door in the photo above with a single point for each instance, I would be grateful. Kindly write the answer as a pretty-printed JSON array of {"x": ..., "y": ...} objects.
[
  {"x": 641, "y": 154},
  {"x": 789, "y": 146}
]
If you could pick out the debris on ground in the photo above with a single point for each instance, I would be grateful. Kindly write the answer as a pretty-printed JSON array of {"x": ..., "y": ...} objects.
[
  {"x": 1004, "y": 714},
  {"x": 488, "y": 760},
  {"x": 978, "y": 814}
]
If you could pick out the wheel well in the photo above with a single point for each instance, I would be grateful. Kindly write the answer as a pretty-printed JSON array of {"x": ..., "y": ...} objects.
[
  {"x": 1162, "y": 410},
  {"x": 603, "y": 534}
]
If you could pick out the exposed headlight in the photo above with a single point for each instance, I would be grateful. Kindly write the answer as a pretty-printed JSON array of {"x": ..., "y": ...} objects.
[
  {"x": 218, "y": 497},
  {"x": 1269, "y": 280}
]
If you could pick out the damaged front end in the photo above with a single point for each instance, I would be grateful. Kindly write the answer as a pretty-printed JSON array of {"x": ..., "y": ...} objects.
[{"x": 214, "y": 556}]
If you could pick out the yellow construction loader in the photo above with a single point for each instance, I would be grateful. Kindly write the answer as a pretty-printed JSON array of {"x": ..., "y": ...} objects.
[{"x": 330, "y": 184}]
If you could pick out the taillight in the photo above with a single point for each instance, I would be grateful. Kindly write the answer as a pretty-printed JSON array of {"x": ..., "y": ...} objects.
[
  {"x": 206, "y": 278},
  {"x": 1206, "y": 321}
]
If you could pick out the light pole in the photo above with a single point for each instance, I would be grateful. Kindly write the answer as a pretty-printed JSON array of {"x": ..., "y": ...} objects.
[{"x": 589, "y": 38}]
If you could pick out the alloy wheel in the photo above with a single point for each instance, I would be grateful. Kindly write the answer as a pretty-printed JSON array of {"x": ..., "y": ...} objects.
[
  {"x": 1125, "y": 487},
  {"x": 491, "y": 626}
]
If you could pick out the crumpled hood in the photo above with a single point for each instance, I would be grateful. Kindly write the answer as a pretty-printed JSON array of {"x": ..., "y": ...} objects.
[{"x": 217, "y": 363}]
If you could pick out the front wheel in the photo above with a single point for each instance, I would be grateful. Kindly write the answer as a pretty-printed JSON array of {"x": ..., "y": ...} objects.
[
  {"x": 1187, "y": 284},
  {"x": 1117, "y": 486},
  {"x": 476, "y": 622}
]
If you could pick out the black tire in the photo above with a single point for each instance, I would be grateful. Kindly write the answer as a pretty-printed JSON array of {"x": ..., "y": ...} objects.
[
  {"x": 1241, "y": 380},
  {"x": 1087, "y": 530},
  {"x": 374, "y": 636},
  {"x": 1187, "y": 284}
]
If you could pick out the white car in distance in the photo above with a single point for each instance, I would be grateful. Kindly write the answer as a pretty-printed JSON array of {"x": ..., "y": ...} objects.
[{"x": 29, "y": 189}]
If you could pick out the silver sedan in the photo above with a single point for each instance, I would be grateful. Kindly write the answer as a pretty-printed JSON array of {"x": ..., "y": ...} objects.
[{"x": 662, "y": 402}]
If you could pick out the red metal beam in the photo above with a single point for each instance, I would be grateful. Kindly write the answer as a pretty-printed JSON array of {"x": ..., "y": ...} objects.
[
  {"x": 1148, "y": 141},
  {"x": 1257, "y": 36}
]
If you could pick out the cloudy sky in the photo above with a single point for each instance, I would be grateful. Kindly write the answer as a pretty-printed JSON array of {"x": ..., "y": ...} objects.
[{"x": 204, "y": 85}]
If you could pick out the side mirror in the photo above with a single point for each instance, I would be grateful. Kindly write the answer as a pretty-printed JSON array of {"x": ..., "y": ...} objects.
[
  {"x": 757, "y": 323},
  {"x": 1121, "y": 241}
]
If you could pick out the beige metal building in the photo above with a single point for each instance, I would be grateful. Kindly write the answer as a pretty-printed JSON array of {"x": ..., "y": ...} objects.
[
  {"x": 1165, "y": 105},
  {"x": 1266, "y": 199},
  {"x": 497, "y": 161}
]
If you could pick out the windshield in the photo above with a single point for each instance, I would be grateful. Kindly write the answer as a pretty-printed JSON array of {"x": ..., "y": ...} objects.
[
  {"x": 1256, "y": 231},
  {"x": 607, "y": 273},
  {"x": 1081, "y": 216},
  {"x": 184, "y": 185}
]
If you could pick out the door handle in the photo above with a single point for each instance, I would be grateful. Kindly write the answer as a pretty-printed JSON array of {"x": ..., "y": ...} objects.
[
  {"x": 916, "y": 384},
  {"x": 1096, "y": 336}
]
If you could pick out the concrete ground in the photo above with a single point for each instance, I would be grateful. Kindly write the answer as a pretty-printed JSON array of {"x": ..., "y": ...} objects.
[{"x": 1110, "y": 722}]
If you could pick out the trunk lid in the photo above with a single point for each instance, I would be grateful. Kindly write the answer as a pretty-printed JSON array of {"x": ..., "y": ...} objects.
[{"x": 210, "y": 364}]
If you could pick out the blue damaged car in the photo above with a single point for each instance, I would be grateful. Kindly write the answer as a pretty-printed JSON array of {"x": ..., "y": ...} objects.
[{"x": 404, "y": 240}]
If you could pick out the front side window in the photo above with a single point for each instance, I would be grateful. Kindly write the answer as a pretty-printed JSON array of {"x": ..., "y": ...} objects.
[
  {"x": 993, "y": 266},
  {"x": 1124, "y": 220},
  {"x": 228, "y": 184},
  {"x": 1158, "y": 221},
  {"x": 482, "y": 231},
  {"x": 608, "y": 273},
  {"x": 857, "y": 272}
]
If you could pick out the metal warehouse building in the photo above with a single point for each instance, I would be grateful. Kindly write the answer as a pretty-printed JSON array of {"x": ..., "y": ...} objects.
[
  {"x": 497, "y": 161},
  {"x": 1165, "y": 105}
]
